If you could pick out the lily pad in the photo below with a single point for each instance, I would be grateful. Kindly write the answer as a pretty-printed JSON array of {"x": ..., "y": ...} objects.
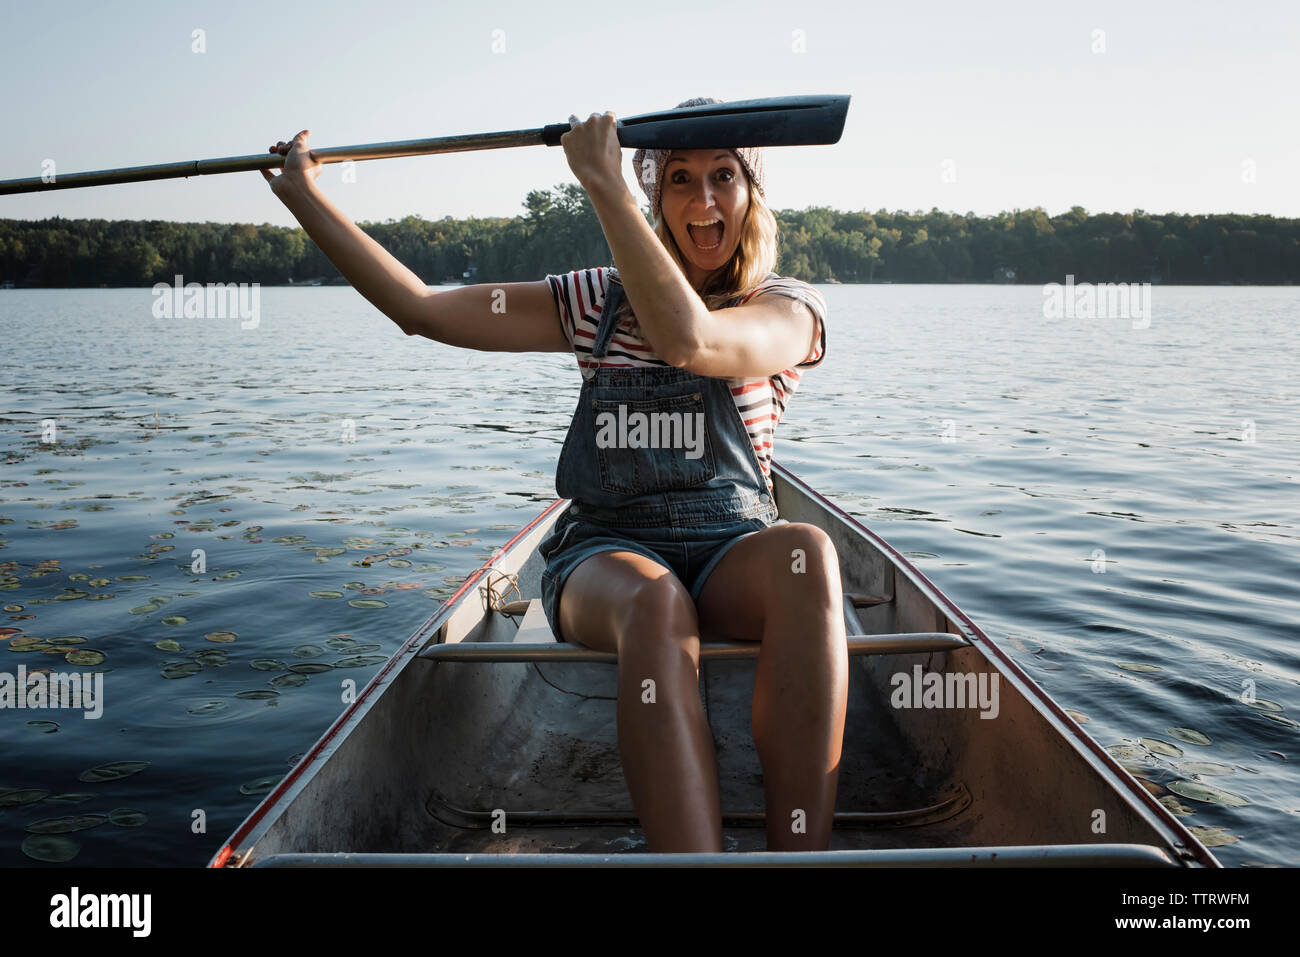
[
  {"x": 326, "y": 594},
  {"x": 1161, "y": 747},
  {"x": 1137, "y": 666},
  {"x": 288, "y": 680},
  {"x": 84, "y": 656},
  {"x": 34, "y": 645},
  {"x": 1126, "y": 752},
  {"x": 1263, "y": 704},
  {"x": 15, "y": 797},
  {"x": 1209, "y": 795},
  {"x": 144, "y": 609},
  {"x": 127, "y": 817},
  {"x": 72, "y": 797},
  {"x": 1214, "y": 836},
  {"x": 207, "y": 707},
  {"x": 1205, "y": 767},
  {"x": 359, "y": 661},
  {"x": 1176, "y": 806},
  {"x": 399, "y": 563},
  {"x": 182, "y": 670},
  {"x": 261, "y": 785},
  {"x": 1189, "y": 736},
  {"x": 338, "y": 644},
  {"x": 221, "y": 636},
  {"x": 266, "y": 664},
  {"x": 257, "y": 694},
  {"x": 308, "y": 651},
  {"x": 175, "y": 620},
  {"x": 112, "y": 772},
  {"x": 310, "y": 668},
  {"x": 51, "y": 848},
  {"x": 167, "y": 644},
  {"x": 212, "y": 658},
  {"x": 43, "y": 727},
  {"x": 368, "y": 603},
  {"x": 1280, "y": 719},
  {"x": 64, "y": 640},
  {"x": 66, "y": 825}
]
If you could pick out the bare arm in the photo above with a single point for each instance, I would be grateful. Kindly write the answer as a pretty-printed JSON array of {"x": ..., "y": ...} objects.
[{"x": 502, "y": 317}]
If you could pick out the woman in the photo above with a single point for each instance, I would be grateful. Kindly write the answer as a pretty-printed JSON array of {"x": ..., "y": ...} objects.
[{"x": 689, "y": 336}]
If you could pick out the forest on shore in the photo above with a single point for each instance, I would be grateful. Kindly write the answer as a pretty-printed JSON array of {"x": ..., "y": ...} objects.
[{"x": 559, "y": 231}]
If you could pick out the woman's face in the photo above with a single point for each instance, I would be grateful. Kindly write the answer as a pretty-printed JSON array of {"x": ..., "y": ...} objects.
[{"x": 704, "y": 186}]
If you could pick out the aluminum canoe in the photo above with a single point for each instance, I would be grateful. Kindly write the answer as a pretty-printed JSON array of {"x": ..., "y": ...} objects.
[{"x": 484, "y": 742}]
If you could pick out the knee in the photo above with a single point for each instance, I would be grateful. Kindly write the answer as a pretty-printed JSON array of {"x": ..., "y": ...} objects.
[
  {"x": 813, "y": 569},
  {"x": 657, "y": 614}
]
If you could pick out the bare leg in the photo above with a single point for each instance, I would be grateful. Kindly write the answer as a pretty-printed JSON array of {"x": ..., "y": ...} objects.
[
  {"x": 625, "y": 602},
  {"x": 783, "y": 584}
]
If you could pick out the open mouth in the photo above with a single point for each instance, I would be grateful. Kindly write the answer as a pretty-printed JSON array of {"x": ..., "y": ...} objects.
[{"x": 706, "y": 234}]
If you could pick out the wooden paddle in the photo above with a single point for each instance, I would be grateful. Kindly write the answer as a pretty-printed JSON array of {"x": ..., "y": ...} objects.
[{"x": 774, "y": 121}]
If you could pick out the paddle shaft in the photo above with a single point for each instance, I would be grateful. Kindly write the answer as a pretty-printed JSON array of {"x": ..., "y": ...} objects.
[{"x": 774, "y": 121}]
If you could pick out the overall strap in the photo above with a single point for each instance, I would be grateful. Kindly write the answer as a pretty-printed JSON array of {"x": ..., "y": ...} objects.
[{"x": 614, "y": 297}]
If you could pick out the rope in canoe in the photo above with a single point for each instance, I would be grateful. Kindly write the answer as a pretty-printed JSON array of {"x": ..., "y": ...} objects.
[{"x": 494, "y": 600}]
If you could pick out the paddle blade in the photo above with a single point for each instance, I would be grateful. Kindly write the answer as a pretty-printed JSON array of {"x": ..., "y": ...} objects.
[{"x": 774, "y": 121}]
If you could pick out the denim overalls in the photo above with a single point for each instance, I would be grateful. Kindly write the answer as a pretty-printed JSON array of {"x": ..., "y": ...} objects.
[{"x": 681, "y": 506}]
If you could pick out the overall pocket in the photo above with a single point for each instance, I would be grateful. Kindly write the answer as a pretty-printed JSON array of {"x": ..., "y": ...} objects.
[
  {"x": 644, "y": 446},
  {"x": 555, "y": 542}
]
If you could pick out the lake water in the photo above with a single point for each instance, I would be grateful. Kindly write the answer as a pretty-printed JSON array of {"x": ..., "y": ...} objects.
[{"x": 1089, "y": 492}]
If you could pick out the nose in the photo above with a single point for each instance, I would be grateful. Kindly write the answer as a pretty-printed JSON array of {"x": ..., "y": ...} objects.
[{"x": 704, "y": 194}]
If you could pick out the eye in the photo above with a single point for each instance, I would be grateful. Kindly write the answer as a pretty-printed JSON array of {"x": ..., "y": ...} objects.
[{"x": 723, "y": 171}]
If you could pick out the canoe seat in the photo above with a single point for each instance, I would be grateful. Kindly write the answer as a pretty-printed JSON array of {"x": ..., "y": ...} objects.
[
  {"x": 534, "y": 628},
  {"x": 534, "y": 641}
]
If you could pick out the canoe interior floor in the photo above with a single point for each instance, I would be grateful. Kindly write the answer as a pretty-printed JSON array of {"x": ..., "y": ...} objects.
[{"x": 573, "y": 767}]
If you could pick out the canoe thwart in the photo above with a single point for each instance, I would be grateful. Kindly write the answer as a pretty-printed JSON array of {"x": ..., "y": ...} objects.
[
  {"x": 489, "y": 651},
  {"x": 866, "y": 601}
]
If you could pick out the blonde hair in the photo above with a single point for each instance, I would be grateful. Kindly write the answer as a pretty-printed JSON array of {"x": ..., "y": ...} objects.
[{"x": 751, "y": 263}]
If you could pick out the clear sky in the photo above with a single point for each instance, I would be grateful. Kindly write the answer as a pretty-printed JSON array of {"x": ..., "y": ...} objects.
[{"x": 1185, "y": 106}]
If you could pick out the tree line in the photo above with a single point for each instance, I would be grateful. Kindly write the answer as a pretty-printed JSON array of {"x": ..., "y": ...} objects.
[{"x": 559, "y": 231}]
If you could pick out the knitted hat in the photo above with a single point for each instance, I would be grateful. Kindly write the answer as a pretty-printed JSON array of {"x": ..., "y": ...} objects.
[{"x": 648, "y": 165}]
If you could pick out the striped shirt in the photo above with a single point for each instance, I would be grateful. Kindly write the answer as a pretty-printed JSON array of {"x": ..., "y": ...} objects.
[{"x": 580, "y": 295}]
